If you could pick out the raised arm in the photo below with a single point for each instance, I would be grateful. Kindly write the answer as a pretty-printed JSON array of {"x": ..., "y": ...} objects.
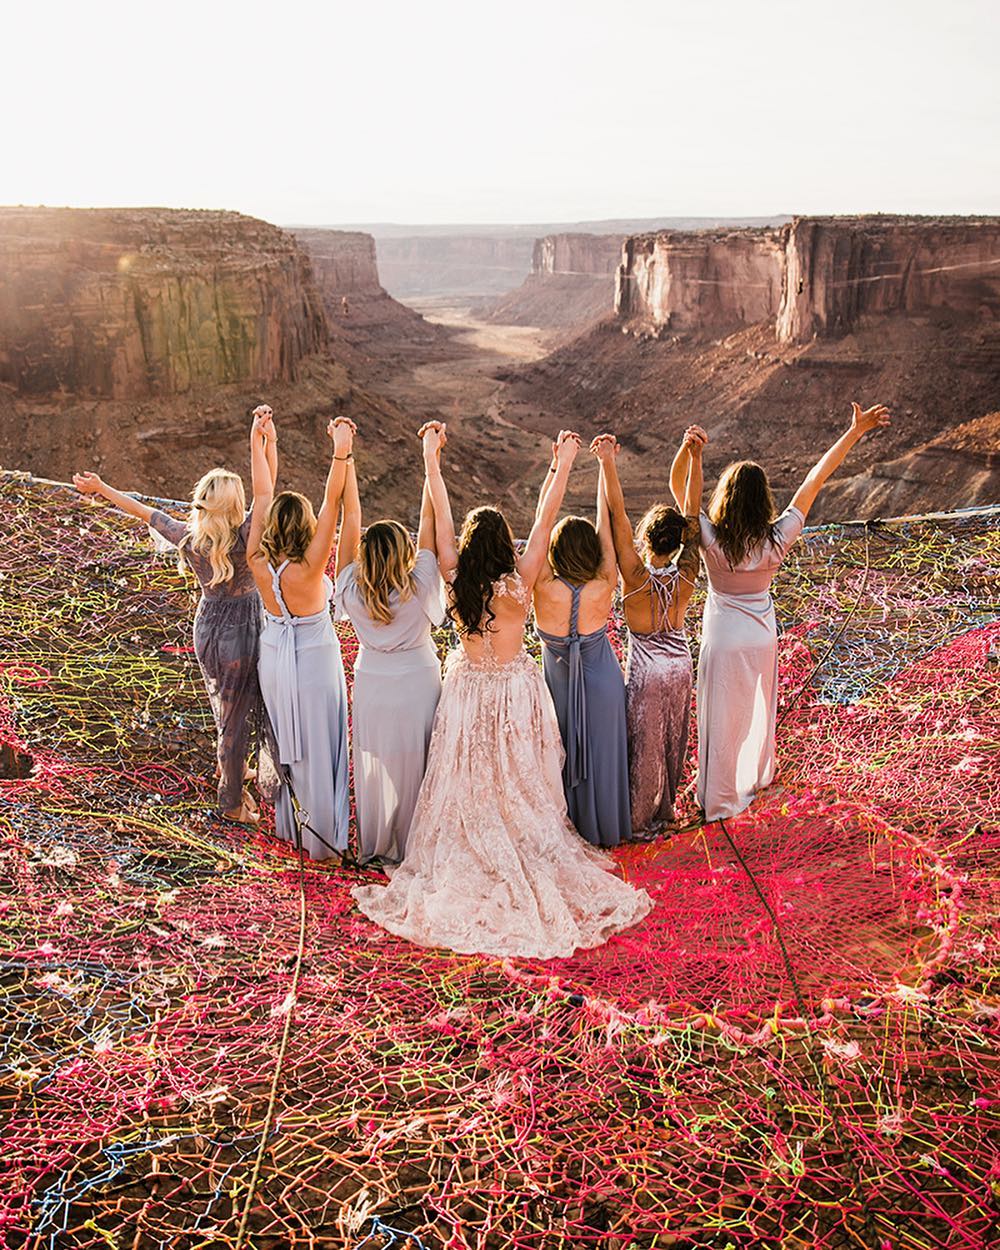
[
  {"x": 833, "y": 457},
  {"x": 425, "y": 534},
  {"x": 434, "y": 437},
  {"x": 317, "y": 555},
  {"x": 609, "y": 562},
  {"x": 530, "y": 564},
  {"x": 92, "y": 484},
  {"x": 261, "y": 480},
  {"x": 605, "y": 448},
  {"x": 695, "y": 439},
  {"x": 679, "y": 473},
  {"x": 547, "y": 479},
  {"x": 350, "y": 525}
]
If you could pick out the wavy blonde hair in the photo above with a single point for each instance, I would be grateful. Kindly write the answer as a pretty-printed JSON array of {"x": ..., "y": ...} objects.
[
  {"x": 218, "y": 507},
  {"x": 386, "y": 556},
  {"x": 742, "y": 510},
  {"x": 288, "y": 527}
]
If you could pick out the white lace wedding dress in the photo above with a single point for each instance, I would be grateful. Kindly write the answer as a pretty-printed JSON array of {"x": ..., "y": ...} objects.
[{"x": 492, "y": 864}]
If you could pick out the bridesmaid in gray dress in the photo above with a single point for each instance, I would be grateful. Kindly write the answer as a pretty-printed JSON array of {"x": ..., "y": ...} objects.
[
  {"x": 573, "y": 597},
  {"x": 656, "y": 588},
  {"x": 743, "y": 546},
  {"x": 392, "y": 593},
  {"x": 212, "y": 543},
  {"x": 301, "y": 670}
]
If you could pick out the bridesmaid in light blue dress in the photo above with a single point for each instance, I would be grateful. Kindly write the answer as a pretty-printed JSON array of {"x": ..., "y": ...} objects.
[{"x": 301, "y": 670}]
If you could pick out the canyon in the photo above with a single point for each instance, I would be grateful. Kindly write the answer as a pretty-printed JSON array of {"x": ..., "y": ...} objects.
[
  {"x": 137, "y": 341},
  {"x": 124, "y": 304}
]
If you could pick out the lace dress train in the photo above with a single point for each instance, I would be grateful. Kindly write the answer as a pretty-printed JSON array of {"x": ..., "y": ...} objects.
[{"x": 492, "y": 864}]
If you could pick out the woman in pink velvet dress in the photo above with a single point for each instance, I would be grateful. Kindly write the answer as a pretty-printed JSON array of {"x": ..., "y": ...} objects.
[{"x": 492, "y": 864}]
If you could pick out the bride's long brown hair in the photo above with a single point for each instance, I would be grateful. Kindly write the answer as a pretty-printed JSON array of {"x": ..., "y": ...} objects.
[
  {"x": 485, "y": 554},
  {"x": 742, "y": 510}
]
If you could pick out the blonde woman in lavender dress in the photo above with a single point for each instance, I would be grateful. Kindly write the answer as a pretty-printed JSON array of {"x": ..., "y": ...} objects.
[
  {"x": 743, "y": 546},
  {"x": 657, "y": 581},
  {"x": 392, "y": 593},
  {"x": 492, "y": 864}
]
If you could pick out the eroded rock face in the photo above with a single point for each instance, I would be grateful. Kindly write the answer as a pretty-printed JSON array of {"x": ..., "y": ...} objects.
[
  {"x": 838, "y": 269},
  {"x": 710, "y": 280},
  {"x": 343, "y": 261},
  {"x": 129, "y": 303},
  {"x": 571, "y": 284}
]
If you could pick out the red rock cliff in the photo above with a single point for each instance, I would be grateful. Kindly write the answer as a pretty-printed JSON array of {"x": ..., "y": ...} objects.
[
  {"x": 576, "y": 255},
  {"x": 838, "y": 269},
  {"x": 343, "y": 261},
  {"x": 708, "y": 280},
  {"x": 126, "y": 303}
]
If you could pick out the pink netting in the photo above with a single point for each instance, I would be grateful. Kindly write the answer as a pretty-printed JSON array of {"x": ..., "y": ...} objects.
[{"x": 690, "y": 1084}]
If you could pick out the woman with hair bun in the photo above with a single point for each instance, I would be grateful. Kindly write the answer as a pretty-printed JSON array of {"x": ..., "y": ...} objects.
[
  {"x": 743, "y": 546},
  {"x": 657, "y": 581},
  {"x": 301, "y": 670},
  {"x": 392, "y": 593},
  {"x": 573, "y": 598},
  {"x": 212, "y": 544},
  {"x": 492, "y": 864}
]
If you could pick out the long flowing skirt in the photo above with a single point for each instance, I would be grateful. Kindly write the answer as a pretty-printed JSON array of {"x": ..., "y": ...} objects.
[
  {"x": 598, "y": 802},
  {"x": 226, "y": 638},
  {"x": 395, "y": 697},
  {"x": 492, "y": 864},
  {"x": 302, "y": 681},
  {"x": 658, "y": 680},
  {"x": 737, "y": 702}
]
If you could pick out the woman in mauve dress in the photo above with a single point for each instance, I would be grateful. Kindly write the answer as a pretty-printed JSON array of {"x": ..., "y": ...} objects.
[
  {"x": 213, "y": 545},
  {"x": 301, "y": 670},
  {"x": 742, "y": 547},
  {"x": 391, "y": 592},
  {"x": 657, "y": 581},
  {"x": 492, "y": 864},
  {"x": 573, "y": 597}
]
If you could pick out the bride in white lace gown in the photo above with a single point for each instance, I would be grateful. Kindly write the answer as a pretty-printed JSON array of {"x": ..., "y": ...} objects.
[{"x": 492, "y": 864}]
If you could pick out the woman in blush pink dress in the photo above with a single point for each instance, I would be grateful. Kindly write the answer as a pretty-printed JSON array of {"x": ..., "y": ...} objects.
[
  {"x": 492, "y": 864},
  {"x": 742, "y": 546}
]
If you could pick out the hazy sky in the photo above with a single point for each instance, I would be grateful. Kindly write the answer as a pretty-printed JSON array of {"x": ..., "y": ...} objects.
[{"x": 520, "y": 111}]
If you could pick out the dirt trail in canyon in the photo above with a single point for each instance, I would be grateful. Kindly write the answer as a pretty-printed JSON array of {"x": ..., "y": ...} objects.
[{"x": 463, "y": 382}]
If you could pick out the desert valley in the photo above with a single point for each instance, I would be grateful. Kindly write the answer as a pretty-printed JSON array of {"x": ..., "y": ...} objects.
[{"x": 135, "y": 341}]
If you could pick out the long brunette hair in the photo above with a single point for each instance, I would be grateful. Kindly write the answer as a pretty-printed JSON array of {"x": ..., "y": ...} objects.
[
  {"x": 485, "y": 554},
  {"x": 742, "y": 510}
]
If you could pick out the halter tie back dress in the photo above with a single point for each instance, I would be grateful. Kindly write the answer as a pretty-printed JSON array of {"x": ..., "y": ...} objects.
[
  {"x": 738, "y": 670},
  {"x": 586, "y": 684},
  {"x": 226, "y": 630},
  {"x": 659, "y": 676},
  {"x": 397, "y": 685},
  {"x": 302, "y": 681},
  {"x": 492, "y": 864}
]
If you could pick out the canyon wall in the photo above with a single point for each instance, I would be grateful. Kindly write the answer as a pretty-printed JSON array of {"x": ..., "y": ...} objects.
[
  {"x": 127, "y": 303},
  {"x": 817, "y": 277},
  {"x": 839, "y": 269},
  {"x": 710, "y": 280},
  {"x": 571, "y": 284},
  {"x": 343, "y": 261}
]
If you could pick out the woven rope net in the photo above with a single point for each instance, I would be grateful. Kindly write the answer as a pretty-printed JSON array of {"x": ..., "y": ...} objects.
[{"x": 796, "y": 1049}]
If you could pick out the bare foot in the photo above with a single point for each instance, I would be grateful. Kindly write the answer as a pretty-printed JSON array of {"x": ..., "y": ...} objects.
[{"x": 245, "y": 814}]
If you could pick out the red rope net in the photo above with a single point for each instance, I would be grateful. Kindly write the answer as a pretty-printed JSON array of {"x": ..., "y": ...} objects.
[{"x": 797, "y": 1048}]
